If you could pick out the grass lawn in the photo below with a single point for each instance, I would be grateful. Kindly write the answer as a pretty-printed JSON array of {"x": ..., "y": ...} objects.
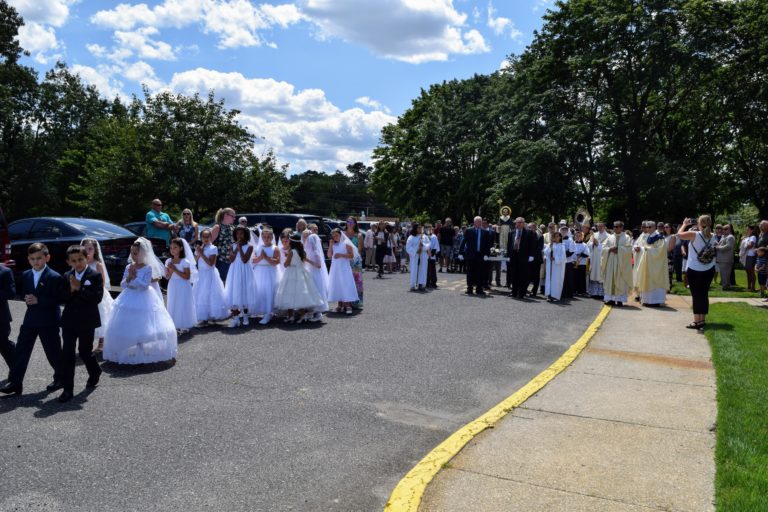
[
  {"x": 739, "y": 290},
  {"x": 738, "y": 335}
]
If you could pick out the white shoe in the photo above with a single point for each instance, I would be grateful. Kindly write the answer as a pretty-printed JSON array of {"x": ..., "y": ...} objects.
[
  {"x": 235, "y": 322},
  {"x": 245, "y": 320},
  {"x": 317, "y": 317},
  {"x": 265, "y": 320}
]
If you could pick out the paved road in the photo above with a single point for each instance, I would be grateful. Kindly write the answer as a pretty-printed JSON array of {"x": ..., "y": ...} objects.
[{"x": 324, "y": 417}]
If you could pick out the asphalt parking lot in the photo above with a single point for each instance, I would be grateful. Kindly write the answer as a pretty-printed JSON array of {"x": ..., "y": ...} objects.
[{"x": 312, "y": 417}]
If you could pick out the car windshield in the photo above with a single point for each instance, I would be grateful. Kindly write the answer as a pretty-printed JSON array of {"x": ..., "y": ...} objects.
[{"x": 99, "y": 228}]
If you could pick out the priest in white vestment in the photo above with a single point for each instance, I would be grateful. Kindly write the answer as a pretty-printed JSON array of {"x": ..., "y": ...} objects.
[
  {"x": 652, "y": 276},
  {"x": 616, "y": 266}
]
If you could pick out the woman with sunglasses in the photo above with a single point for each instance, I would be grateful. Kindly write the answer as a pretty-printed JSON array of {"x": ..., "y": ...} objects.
[
  {"x": 222, "y": 238},
  {"x": 187, "y": 228}
]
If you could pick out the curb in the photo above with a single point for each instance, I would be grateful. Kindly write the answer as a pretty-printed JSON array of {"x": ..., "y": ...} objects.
[{"x": 407, "y": 495}]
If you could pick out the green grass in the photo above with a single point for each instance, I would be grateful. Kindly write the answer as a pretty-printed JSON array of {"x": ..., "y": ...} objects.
[
  {"x": 738, "y": 335},
  {"x": 737, "y": 291}
]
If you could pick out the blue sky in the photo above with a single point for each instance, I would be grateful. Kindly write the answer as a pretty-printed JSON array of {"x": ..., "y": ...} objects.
[{"x": 315, "y": 79}]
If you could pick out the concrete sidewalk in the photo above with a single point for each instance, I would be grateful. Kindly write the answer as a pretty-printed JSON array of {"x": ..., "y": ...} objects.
[{"x": 627, "y": 427}]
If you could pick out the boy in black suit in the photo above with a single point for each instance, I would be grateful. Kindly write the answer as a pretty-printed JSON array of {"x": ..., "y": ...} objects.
[
  {"x": 44, "y": 293},
  {"x": 80, "y": 319},
  {"x": 7, "y": 292}
]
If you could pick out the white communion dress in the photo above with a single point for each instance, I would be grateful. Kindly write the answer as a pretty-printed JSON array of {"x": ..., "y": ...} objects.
[
  {"x": 267, "y": 278},
  {"x": 105, "y": 306},
  {"x": 297, "y": 289},
  {"x": 341, "y": 282},
  {"x": 209, "y": 290},
  {"x": 140, "y": 330},
  {"x": 181, "y": 301}
]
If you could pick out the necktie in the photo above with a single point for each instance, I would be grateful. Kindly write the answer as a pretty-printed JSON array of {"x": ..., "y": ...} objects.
[
  {"x": 517, "y": 240},
  {"x": 478, "y": 239}
]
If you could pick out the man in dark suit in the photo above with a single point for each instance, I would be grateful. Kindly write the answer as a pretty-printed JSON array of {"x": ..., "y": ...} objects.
[
  {"x": 80, "y": 319},
  {"x": 475, "y": 247},
  {"x": 7, "y": 292},
  {"x": 43, "y": 293},
  {"x": 521, "y": 246},
  {"x": 534, "y": 267}
]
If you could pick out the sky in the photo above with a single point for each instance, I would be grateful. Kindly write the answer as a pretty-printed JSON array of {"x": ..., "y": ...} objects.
[{"x": 315, "y": 80}]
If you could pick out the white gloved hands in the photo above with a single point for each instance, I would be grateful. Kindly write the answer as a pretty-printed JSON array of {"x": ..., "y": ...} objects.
[{"x": 530, "y": 259}]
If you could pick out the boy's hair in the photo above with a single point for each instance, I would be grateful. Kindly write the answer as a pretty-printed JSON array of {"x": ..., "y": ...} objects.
[
  {"x": 177, "y": 241},
  {"x": 77, "y": 249},
  {"x": 37, "y": 247}
]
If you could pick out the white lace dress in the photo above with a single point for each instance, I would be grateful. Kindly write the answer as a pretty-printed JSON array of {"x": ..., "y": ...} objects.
[
  {"x": 181, "y": 301},
  {"x": 209, "y": 289},
  {"x": 297, "y": 289}
]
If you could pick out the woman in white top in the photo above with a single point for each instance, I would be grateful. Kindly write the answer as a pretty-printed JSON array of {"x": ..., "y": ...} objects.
[
  {"x": 701, "y": 268},
  {"x": 751, "y": 256}
]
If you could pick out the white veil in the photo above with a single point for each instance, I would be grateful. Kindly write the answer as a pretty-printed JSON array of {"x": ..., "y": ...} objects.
[
  {"x": 152, "y": 261},
  {"x": 314, "y": 249},
  {"x": 98, "y": 256},
  {"x": 347, "y": 241},
  {"x": 190, "y": 259}
]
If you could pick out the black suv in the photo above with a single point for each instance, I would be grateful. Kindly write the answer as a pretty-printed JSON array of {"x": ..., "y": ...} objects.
[{"x": 280, "y": 221}]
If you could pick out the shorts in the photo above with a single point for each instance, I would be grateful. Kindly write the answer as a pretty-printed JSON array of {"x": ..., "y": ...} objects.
[
  {"x": 761, "y": 279},
  {"x": 445, "y": 250},
  {"x": 750, "y": 264}
]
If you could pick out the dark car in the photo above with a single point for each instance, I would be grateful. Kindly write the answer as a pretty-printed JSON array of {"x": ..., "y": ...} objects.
[
  {"x": 280, "y": 221},
  {"x": 5, "y": 243},
  {"x": 136, "y": 227},
  {"x": 58, "y": 233}
]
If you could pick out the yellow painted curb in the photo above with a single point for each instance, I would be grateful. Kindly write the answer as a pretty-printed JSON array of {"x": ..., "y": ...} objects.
[{"x": 407, "y": 495}]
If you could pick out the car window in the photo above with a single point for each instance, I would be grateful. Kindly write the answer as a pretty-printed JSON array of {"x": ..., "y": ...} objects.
[
  {"x": 19, "y": 230},
  {"x": 44, "y": 229},
  {"x": 98, "y": 228}
]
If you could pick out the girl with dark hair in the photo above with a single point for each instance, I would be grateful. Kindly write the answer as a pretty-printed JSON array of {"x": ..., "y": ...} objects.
[
  {"x": 240, "y": 288},
  {"x": 297, "y": 293}
]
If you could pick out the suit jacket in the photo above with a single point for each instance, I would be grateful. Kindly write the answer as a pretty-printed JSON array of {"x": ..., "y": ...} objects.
[
  {"x": 7, "y": 292},
  {"x": 538, "y": 256},
  {"x": 725, "y": 249},
  {"x": 469, "y": 245},
  {"x": 527, "y": 244},
  {"x": 50, "y": 293},
  {"x": 81, "y": 309}
]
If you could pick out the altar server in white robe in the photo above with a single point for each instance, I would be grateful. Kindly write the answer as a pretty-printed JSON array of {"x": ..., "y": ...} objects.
[
  {"x": 417, "y": 247},
  {"x": 616, "y": 266},
  {"x": 595, "y": 244},
  {"x": 554, "y": 261},
  {"x": 652, "y": 270}
]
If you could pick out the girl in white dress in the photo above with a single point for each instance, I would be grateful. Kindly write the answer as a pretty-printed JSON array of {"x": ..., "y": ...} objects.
[
  {"x": 266, "y": 258},
  {"x": 315, "y": 264},
  {"x": 240, "y": 288},
  {"x": 297, "y": 293},
  {"x": 140, "y": 330},
  {"x": 554, "y": 259},
  {"x": 341, "y": 282},
  {"x": 96, "y": 262},
  {"x": 181, "y": 272},
  {"x": 209, "y": 290}
]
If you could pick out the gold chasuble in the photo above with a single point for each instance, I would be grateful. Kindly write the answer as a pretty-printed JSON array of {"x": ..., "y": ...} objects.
[{"x": 616, "y": 267}]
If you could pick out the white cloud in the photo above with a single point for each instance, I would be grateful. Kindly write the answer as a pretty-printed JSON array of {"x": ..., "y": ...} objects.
[
  {"x": 501, "y": 25},
  {"x": 102, "y": 78},
  {"x": 96, "y": 50},
  {"x": 140, "y": 43},
  {"x": 303, "y": 126},
  {"x": 39, "y": 40},
  {"x": 412, "y": 31},
  {"x": 171, "y": 13},
  {"x": 46, "y": 12},
  {"x": 143, "y": 73},
  {"x": 370, "y": 103},
  {"x": 542, "y": 4}
]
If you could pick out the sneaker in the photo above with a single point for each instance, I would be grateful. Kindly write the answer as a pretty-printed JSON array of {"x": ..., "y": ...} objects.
[
  {"x": 245, "y": 320},
  {"x": 235, "y": 322},
  {"x": 265, "y": 320}
]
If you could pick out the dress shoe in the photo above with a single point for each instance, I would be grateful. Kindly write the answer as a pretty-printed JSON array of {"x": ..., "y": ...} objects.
[
  {"x": 93, "y": 381},
  {"x": 53, "y": 386},
  {"x": 10, "y": 389},
  {"x": 65, "y": 396},
  {"x": 470, "y": 292},
  {"x": 480, "y": 292}
]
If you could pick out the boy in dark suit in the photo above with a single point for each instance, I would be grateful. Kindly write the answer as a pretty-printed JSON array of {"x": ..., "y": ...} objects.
[
  {"x": 43, "y": 293},
  {"x": 7, "y": 292},
  {"x": 80, "y": 319}
]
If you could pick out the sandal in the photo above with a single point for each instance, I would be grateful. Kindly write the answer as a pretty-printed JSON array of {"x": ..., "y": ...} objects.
[{"x": 695, "y": 325}]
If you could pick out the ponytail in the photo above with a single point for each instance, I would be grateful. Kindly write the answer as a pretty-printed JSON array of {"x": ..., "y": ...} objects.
[{"x": 705, "y": 224}]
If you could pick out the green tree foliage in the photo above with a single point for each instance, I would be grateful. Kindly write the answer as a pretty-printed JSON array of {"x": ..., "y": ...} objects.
[{"x": 633, "y": 109}]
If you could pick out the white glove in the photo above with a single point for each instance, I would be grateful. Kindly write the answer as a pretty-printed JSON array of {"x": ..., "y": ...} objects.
[
  {"x": 485, "y": 258},
  {"x": 530, "y": 259},
  {"x": 461, "y": 257}
]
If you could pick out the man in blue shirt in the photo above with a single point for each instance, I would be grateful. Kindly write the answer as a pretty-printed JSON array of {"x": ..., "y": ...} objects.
[{"x": 159, "y": 224}]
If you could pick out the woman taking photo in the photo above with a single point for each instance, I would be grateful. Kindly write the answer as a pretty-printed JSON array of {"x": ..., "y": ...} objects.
[{"x": 701, "y": 265}]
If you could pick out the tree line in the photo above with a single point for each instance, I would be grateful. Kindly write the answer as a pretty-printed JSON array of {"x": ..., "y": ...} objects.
[
  {"x": 631, "y": 109},
  {"x": 66, "y": 150}
]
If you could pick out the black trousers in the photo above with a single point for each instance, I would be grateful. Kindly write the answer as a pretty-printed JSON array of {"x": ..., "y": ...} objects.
[
  {"x": 49, "y": 338},
  {"x": 568, "y": 281},
  {"x": 580, "y": 279},
  {"x": 699, "y": 281},
  {"x": 381, "y": 251},
  {"x": 517, "y": 272},
  {"x": 7, "y": 347},
  {"x": 476, "y": 274},
  {"x": 83, "y": 340},
  {"x": 534, "y": 275},
  {"x": 431, "y": 274}
]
